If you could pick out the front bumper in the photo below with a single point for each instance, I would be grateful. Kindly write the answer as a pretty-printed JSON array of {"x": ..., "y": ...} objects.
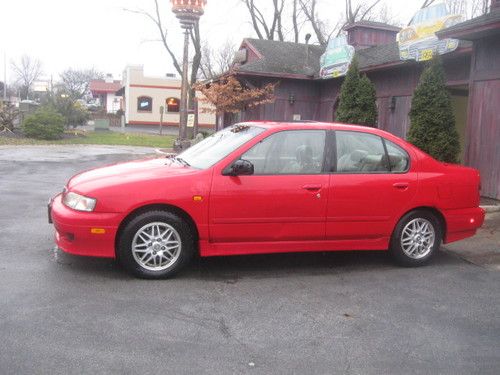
[
  {"x": 417, "y": 50},
  {"x": 333, "y": 71},
  {"x": 83, "y": 233}
]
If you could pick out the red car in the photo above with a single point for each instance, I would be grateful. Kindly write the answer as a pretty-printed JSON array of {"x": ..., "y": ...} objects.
[{"x": 263, "y": 187}]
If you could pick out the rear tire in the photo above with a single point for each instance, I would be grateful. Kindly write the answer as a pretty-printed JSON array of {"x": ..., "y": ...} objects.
[
  {"x": 416, "y": 238},
  {"x": 155, "y": 245}
]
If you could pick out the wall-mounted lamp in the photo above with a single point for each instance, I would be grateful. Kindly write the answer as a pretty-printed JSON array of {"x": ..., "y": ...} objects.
[
  {"x": 291, "y": 99},
  {"x": 393, "y": 104}
]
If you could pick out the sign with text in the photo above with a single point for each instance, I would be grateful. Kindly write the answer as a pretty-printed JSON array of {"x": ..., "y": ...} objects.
[
  {"x": 418, "y": 41},
  {"x": 190, "y": 120}
]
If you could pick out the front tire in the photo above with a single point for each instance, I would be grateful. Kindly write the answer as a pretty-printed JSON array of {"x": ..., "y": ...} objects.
[
  {"x": 416, "y": 238},
  {"x": 155, "y": 245}
]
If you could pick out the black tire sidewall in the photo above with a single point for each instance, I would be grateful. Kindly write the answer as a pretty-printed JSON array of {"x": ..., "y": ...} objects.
[
  {"x": 395, "y": 244},
  {"x": 124, "y": 250}
]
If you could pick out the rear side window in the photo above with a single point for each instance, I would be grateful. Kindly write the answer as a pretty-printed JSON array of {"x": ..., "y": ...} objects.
[
  {"x": 399, "y": 161},
  {"x": 360, "y": 153}
]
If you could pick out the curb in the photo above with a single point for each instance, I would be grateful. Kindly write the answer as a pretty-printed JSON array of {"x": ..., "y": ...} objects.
[
  {"x": 164, "y": 151},
  {"x": 491, "y": 208}
]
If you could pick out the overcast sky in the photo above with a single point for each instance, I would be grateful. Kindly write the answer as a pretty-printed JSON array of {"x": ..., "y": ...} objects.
[{"x": 99, "y": 33}]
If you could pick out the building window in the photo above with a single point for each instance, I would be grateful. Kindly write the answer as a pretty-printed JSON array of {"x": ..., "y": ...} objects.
[
  {"x": 173, "y": 104},
  {"x": 144, "y": 104}
]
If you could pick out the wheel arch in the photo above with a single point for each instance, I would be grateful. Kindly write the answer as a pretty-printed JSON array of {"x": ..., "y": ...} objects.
[
  {"x": 433, "y": 210},
  {"x": 152, "y": 207}
]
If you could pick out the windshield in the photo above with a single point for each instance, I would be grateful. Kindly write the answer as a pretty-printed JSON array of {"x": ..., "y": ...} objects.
[
  {"x": 430, "y": 13},
  {"x": 337, "y": 42},
  {"x": 216, "y": 147}
]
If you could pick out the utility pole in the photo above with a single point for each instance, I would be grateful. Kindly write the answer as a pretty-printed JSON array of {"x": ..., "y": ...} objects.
[{"x": 4, "y": 76}]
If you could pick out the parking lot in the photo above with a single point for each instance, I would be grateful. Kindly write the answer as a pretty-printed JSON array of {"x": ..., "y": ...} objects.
[{"x": 321, "y": 313}]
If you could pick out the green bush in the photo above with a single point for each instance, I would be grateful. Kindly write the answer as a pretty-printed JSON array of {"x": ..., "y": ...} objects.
[
  {"x": 45, "y": 123},
  {"x": 357, "y": 98},
  {"x": 432, "y": 121},
  {"x": 74, "y": 113}
]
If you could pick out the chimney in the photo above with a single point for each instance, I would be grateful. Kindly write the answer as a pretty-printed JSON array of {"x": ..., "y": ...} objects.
[
  {"x": 365, "y": 34},
  {"x": 109, "y": 78}
]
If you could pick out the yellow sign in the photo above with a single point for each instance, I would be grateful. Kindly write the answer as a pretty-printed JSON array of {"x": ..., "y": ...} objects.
[
  {"x": 418, "y": 40},
  {"x": 426, "y": 54}
]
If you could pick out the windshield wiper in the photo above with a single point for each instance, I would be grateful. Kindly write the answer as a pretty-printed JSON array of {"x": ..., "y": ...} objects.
[{"x": 182, "y": 161}]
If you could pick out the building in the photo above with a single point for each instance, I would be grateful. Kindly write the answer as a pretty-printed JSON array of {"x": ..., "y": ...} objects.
[
  {"x": 104, "y": 91},
  {"x": 472, "y": 72},
  {"x": 144, "y": 95}
]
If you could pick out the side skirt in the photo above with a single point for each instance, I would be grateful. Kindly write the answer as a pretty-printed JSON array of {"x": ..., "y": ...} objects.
[{"x": 246, "y": 248}]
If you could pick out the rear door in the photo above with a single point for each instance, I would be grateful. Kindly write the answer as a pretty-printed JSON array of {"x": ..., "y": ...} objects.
[
  {"x": 372, "y": 184},
  {"x": 284, "y": 200}
]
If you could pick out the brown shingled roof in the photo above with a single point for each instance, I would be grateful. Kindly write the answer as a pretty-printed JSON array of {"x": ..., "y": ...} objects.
[
  {"x": 301, "y": 61},
  {"x": 284, "y": 58},
  {"x": 99, "y": 85}
]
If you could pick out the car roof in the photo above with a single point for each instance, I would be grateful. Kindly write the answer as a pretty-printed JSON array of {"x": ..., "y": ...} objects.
[
  {"x": 312, "y": 124},
  {"x": 287, "y": 125}
]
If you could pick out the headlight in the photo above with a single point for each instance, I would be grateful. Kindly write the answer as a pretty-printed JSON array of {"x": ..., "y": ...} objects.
[
  {"x": 79, "y": 202},
  {"x": 406, "y": 35}
]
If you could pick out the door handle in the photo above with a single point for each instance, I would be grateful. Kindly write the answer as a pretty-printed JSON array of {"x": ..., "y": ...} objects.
[
  {"x": 401, "y": 185},
  {"x": 311, "y": 187}
]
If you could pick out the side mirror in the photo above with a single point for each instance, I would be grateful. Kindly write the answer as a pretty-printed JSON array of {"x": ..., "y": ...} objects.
[{"x": 240, "y": 167}]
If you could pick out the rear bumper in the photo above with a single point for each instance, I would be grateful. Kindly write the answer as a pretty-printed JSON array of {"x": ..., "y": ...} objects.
[
  {"x": 84, "y": 233},
  {"x": 462, "y": 223}
]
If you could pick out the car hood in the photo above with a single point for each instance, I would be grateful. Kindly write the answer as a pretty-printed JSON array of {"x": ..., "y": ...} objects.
[{"x": 128, "y": 172}]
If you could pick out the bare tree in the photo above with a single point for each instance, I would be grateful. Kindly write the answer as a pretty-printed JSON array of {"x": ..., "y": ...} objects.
[
  {"x": 157, "y": 20},
  {"x": 27, "y": 70},
  {"x": 295, "y": 13},
  {"x": 266, "y": 28},
  {"x": 354, "y": 12},
  {"x": 359, "y": 12},
  {"x": 468, "y": 8},
  {"x": 75, "y": 82},
  {"x": 269, "y": 22},
  {"x": 310, "y": 12},
  {"x": 479, "y": 7},
  {"x": 215, "y": 62}
]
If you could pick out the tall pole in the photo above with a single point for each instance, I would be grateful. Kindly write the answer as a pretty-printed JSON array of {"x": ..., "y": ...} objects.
[
  {"x": 184, "y": 89},
  {"x": 188, "y": 12},
  {"x": 5, "y": 76}
]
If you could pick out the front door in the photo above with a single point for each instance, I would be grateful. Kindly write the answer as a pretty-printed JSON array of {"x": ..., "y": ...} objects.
[{"x": 285, "y": 198}]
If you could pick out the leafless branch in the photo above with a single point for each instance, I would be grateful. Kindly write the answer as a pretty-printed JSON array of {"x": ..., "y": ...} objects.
[{"x": 27, "y": 70}]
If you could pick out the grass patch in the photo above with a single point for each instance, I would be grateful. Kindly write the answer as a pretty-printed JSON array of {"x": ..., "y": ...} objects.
[{"x": 98, "y": 138}]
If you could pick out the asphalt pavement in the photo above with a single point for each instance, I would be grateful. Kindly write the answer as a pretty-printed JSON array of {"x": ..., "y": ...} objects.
[{"x": 319, "y": 313}]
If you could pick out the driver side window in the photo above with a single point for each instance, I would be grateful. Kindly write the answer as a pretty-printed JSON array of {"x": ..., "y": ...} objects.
[{"x": 288, "y": 152}]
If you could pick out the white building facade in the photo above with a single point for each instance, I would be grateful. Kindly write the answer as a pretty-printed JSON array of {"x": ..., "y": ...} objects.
[{"x": 143, "y": 96}]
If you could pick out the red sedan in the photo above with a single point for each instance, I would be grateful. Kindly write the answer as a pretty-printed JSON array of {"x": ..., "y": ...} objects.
[{"x": 262, "y": 187}]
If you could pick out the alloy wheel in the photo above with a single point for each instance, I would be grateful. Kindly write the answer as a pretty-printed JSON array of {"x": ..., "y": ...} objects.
[
  {"x": 156, "y": 246},
  {"x": 417, "y": 238}
]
